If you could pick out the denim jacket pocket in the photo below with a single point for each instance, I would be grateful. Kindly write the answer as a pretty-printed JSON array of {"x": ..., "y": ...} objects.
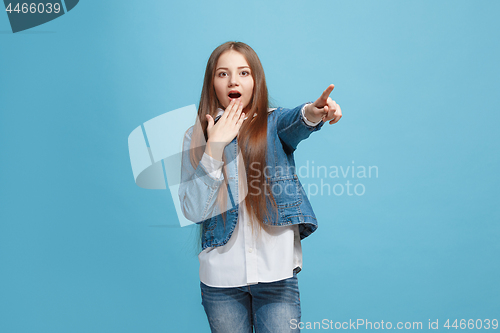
[{"x": 286, "y": 191}]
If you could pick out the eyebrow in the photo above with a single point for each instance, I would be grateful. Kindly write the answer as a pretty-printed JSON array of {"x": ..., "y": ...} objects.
[{"x": 228, "y": 68}]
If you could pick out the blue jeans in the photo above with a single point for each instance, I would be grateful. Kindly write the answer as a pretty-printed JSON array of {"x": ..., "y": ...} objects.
[{"x": 269, "y": 307}]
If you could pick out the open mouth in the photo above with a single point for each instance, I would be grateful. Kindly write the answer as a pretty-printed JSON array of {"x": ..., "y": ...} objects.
[{"x": 234, "y": 94}]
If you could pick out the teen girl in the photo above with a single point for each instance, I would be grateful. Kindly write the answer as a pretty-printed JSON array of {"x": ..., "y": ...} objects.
[{"x": 238, "y": 182}]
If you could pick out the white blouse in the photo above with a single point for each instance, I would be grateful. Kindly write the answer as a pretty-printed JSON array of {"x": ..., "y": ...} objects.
[{"x": 249, "y": 257}]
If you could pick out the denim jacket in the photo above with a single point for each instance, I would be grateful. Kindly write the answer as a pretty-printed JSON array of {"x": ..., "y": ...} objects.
[{"x": 198, "y": 189}]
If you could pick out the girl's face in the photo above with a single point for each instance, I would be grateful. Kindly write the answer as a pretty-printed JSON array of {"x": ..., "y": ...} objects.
[{"x": 233, "y": 78}]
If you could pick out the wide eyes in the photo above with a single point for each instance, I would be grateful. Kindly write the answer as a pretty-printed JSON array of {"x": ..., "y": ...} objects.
[{"x": 225, "y": 74}]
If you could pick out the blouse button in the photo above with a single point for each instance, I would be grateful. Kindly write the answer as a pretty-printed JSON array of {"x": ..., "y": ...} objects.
[{"x": 250, "y": 250}]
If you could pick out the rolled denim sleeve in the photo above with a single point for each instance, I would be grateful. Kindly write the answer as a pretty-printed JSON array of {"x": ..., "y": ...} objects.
[
  {"x": 198, "y": 187},
  {"x": 293, "y": 128}
]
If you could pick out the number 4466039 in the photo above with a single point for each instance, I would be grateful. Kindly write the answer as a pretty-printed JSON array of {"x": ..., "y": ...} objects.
[
  {"x": 472, "y": 324},
  {"x": 34, "y": 8}
]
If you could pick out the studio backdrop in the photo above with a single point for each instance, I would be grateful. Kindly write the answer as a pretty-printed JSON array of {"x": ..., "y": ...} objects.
[{"x": 94, "y": 99}]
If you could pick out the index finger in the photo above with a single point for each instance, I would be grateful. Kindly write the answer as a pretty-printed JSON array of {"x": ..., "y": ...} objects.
[
  {"x": 229, "y": 108},
  {"x": 327, "y": 92}
]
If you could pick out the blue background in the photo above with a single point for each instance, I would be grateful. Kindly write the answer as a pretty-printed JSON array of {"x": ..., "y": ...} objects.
[{"x": 84, "y": 249}]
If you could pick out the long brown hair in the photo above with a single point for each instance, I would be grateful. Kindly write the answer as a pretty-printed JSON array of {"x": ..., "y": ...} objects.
[{"x": 252, "y": 137}]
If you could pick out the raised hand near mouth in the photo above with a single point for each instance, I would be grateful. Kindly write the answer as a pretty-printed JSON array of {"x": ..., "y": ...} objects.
[{"x": 226, "y": 129}]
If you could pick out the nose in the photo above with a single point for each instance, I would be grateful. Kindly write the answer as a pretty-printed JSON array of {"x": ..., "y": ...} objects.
[{"x": 233, "y": 81}]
